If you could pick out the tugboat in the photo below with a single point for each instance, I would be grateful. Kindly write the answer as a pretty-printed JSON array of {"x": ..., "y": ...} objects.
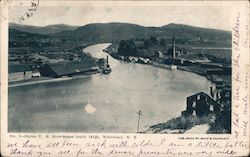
[{"x": 106, "y": 69}]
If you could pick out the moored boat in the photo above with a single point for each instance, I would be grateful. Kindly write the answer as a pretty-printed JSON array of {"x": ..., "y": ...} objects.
[{"x": 106, "y": 69}]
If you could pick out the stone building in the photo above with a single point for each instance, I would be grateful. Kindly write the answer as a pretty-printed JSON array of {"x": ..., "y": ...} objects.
[{"x": 201, "y": 104}]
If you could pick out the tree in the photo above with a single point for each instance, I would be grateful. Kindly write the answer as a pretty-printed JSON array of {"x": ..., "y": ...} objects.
[
  {"x": 162, "y": 42},
  {"x": 153, "y": 40},
  {"x": 127, "y": 48}
]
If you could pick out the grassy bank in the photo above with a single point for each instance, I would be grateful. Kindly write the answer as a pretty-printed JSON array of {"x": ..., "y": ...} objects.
[{"x": 180, "y": 123}]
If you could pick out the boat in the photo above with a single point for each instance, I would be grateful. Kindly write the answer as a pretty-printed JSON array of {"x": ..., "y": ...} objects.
[{"x": 106, "y": 69}]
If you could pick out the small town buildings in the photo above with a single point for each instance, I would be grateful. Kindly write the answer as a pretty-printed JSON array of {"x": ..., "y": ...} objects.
[
  {"x": 19, "y": 72},
  {"x": 69, "y": 68},
  {"x": 201, "y": 104},
  {"x": 133, "y": 59}
]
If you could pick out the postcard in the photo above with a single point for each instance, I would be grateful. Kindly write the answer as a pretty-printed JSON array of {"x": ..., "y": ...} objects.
[{"x": 124, "y": 78}]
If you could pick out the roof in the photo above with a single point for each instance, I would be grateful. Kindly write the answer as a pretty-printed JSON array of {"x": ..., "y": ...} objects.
[
  {"x": 215, "y": 69},
  {"x": 212, "y": 64},
  {"x": 210, "y": 99},
  {"x": 72, "y": 67},
  {"x": 13, "y": 68}
]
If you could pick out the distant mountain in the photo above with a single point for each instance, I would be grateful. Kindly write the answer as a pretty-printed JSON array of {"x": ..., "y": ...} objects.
[
  {"x": 191, "y": 31},
  {"x": 16, "y": 34},
  {"x": 24, "y": 39},
  {"x": 119, "y": 31},
  {"x": 105, "y": 32},
  {"x": 42, "y": 30},
  {"x": 115, "y": 32}
]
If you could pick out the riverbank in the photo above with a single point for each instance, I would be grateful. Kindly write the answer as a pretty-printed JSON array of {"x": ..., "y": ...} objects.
[
  {"x": 141, "y": 60},
  {"x": 46, "y": 80},
  {"x": 211, "y": 71},
  {"x": 181, "y": 125}
]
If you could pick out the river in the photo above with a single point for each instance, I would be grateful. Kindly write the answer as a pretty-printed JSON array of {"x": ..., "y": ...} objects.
[{"x": 103, "y": 103}]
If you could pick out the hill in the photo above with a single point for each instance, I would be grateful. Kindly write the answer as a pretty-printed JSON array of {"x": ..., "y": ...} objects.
[
  {"x": 42, "y": 30},
  {"x": 197, "y": 32},
  {"x": 114, "y": 32}
]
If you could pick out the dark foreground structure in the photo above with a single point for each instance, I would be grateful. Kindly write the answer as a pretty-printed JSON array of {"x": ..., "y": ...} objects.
[{"x": 201, "y": 104}]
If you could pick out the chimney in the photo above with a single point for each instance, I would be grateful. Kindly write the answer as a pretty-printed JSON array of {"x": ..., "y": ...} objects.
[
  {"x": 211, "y": 92},
  {"x": 173, "y": 53}
]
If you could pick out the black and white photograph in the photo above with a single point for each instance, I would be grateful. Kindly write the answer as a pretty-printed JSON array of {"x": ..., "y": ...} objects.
[{"x": 146, "y": 69}]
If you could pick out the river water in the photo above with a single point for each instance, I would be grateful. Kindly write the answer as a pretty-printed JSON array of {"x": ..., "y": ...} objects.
[{"x": 103, "y": 103}]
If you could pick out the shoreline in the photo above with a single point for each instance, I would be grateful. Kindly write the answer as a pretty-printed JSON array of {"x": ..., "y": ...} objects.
[
  {"x": 194, "y": 68},
  {"x": 163, "y": 66},
  {"x": 30, "y": 82}
]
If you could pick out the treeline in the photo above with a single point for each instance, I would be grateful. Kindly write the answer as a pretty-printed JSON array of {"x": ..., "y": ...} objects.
[
  {"x": 142, "y": 47},
  {"x": 127, "y": 48}
]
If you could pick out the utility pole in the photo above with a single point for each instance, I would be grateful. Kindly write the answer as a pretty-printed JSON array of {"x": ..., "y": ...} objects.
[{"x": 138, "y": 124}]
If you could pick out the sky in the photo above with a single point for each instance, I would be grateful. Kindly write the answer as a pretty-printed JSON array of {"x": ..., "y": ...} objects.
[{"x": 145, "y": 14}]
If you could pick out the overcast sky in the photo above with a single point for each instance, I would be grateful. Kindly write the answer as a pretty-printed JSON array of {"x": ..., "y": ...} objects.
[{"x": 143, "y": 14}]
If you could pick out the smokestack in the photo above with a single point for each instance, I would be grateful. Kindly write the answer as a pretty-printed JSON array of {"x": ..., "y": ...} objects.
[
  {"x": 173, "y": 55},
  {"x": 107, "y": 60},
  {"x": 211, "y": 92}
]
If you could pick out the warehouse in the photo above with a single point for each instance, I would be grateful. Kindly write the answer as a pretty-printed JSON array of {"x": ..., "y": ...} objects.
[
  {"x": 69, "y": 68},
  {"x": 19, "y": 72}
]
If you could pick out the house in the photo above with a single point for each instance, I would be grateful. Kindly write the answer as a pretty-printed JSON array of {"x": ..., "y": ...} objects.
[
  {"x": 19, "y": 72},
  {"x": 68, "y": 68},
  {"x": 35, "y": 74},
  {"x": 201, "y": 104}
]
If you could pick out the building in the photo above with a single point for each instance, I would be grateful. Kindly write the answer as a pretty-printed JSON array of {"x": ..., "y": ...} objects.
[
  {"x": 69, "y": 68},
  {"x": 35, "y": 74},
  {"x": 211, "y": 65},
  {"x": 201, "y": 104},
  {"x": 19, "y": 72},
  {"x": 219, "y": 71}
]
